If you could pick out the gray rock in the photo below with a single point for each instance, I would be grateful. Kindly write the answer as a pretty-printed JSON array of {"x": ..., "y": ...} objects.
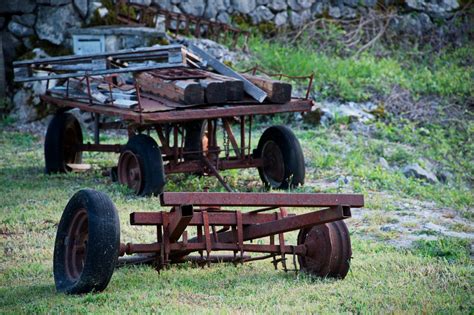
[
  {"x": 359, "y": 127},
  {"x": 214, "y": 7},
  {"x": 26, "y": 99},
  {"x": 175, "y": 1},
  {"x": 53, "y": 23},
  {"x": 295, "y": 19},
  {"x": 444, "y": 176},
  {"x": 383, "y": 163},
  {"x": 17, "y": 6},
  {"x": 298, "y": 5},
  {"x": 278, "y": 5},
  {"x": 244, "y": 6},
  {"x": 416, "y": 171},
  {"x": 351, "y": 3},
  {"x": 318, "y": 9},
  {"x": 20, "y": 30},
  {"x": 223, "y": 17},
  {"x": 348, "y": 13},
  {"x": 368, "y": 3},
  {"x": 164, "y": 4},
  {"x": 440, "y": 8},
  {"x": 261, "y": 14},
  {"x": 141, "y": 2},
  {"x": 335, "y": 12},
  {"x": 53, "y": 2},
  {"x": 82, "y": 6},
  {"x": 25, "y": 19},
  {"x": 281, "y": 18},
  {"x": 10, "y": 46},
  {"x": 262, "y": 2},
  {"x": 193, "y": 7},
  {"x": 2, "y": 22}
]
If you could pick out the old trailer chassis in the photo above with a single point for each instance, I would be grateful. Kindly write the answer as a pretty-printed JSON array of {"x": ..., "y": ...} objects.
[{"x": 229, "y": 230}]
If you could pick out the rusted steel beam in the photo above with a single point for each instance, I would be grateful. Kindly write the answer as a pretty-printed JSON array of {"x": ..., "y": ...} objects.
[
  {"x": 180, "y": 219},
  {"x": 231, "y": 111},
  {"x": 196, "y": 166},
  {"x": 215, "y": 218},
  {"x": 261, "y": 199},
  {"x": 192, "y": 247},
  {"x": 116, "y": 148},
  {"x": 289, "y": 224}
]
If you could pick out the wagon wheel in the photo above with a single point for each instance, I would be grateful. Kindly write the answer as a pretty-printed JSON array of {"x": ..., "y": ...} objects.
[
  {"x": 328, "y": 250},
  {"x": 282, "y": 157},
  {"x": 63, "y": 137},
  {"x": 140, "y": 166},
  {"x": 87, "y": 243}
]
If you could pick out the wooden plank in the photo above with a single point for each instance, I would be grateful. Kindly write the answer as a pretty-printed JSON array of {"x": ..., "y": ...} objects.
[
  {"x": 185, "y": 91},
  {"x": 234, "y": 87},
  {"x": 277, "y": 91},
  {"x": 214, "y": 91}
]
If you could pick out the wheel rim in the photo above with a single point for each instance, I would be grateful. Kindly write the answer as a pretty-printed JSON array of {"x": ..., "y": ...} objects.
[
  {"x": 70, "y": 142},
  {"x": 273, "y": 164},
  {"x": 76, "y": 245},
  {"x": 129, "y": 171},
  {"x": 328, "y": 250}
]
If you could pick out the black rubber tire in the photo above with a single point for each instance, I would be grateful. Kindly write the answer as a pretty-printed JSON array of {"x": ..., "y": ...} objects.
[
  {"x": 103, "y": 243},
  {"x": 63, "y": 130},
  {"x": 293, "y": 159},
  {"x": 151, "y": 164}
]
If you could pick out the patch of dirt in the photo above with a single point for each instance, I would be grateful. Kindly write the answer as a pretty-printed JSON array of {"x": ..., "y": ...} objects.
[{"x": 409, "y": 220}]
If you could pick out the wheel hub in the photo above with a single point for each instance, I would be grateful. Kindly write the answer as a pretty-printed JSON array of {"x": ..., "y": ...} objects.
[
  {"x": 129, "y": 171},
  {"x": 76, "y": 245}
]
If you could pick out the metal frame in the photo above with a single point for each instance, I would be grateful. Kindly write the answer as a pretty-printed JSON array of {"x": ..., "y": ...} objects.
[{"x": 218, "y": 229}]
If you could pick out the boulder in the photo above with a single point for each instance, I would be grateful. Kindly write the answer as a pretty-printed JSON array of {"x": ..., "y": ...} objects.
[
  {"x": 25, "y": 19},
  {"x": 335, "y": 12},
  {"x": 261, "y": 14},
  {"x": 17, "y": 6},
  {"x": 278, "y": 5},
  {"x": 141, "y": 2},
  {"x": 295, "y": 19},
  {"x": 416, "y": 171},
  {"x": 82, "y": 6},
  {"x": 298, "y": 5},
  {"x": 20, "y": 30},
  {"x": 10, "y": 45},
  {"x": 193, "y": 7},
  {"x": 53, "y": 23},
  {"x": 223, "y": 17},
  {"x": 26, "y": 100},
  {"x": 53, "y": 2},
  {"x": 383, "y": 163},
  {"x": 244, "y": 6},
  {"x": 440, "y": 8},
  {"x": 281, "y": 18},
  {"x": 262, "y": 2}
]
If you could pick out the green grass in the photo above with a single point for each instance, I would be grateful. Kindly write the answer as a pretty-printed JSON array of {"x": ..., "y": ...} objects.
[
  {"x": 363, "y": 77},
  {"x": 431, "y": 278}
]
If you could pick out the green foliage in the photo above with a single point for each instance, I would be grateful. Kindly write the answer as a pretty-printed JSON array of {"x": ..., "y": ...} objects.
[
  {"x": 449, "y": 248},
  {"x": 361, "y": 78}
]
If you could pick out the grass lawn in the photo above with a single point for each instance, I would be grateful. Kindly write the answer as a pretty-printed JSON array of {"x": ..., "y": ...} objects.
[{"x": 382, "y": 278}]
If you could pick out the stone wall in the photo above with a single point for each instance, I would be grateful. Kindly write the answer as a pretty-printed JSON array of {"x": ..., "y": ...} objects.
[
  {"x": 50, "y": 20},
  {"x": 25, "y": 24}
]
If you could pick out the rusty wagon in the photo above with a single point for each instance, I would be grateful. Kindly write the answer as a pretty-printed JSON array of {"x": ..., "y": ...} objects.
[
  {"x": 88, "y": 248},
  {"x": 187, "y": 123}
]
